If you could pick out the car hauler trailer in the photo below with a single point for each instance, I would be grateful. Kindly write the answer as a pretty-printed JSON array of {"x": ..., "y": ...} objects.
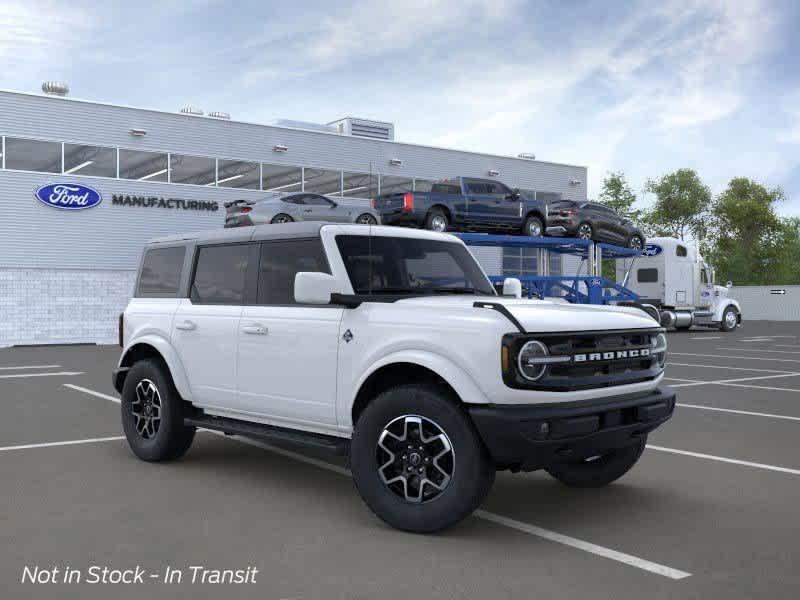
[{"x": 672, "y": 276}]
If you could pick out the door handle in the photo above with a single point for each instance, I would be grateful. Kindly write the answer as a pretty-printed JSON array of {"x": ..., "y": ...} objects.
[
  {"x": 255, "y": 329},
  {"x": 187, "y": 325},
  {"x": 307, "y": 210}
]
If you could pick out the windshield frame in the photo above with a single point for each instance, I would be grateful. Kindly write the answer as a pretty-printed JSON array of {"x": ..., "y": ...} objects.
[{"x": 472, "y": 274}]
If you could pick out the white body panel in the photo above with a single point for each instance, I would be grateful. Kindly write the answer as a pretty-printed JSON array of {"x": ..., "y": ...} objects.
[{"x": 302, "y": 366}]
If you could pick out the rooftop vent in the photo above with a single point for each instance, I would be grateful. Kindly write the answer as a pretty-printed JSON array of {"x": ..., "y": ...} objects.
[
  {"x": 192, "y": 110},
  {"x": 216, "y": 114},
  {"x": 527, "y": 155},
  {"x": 376, "y": 130},
  {"x": 303, "y": 125},
  {"x": 55, "y": 88}
]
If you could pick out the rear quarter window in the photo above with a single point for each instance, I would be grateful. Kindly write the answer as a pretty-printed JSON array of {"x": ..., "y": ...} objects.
[
  {"x": 445, "y": 188},
  {"x": 160, "y": 276}
]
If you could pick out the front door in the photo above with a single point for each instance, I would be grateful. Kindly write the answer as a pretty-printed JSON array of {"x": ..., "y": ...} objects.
[
  {"x": 504, "y": 206},
  {"x": 205, "y": 327},
  {"x": 287, "y": 353}
]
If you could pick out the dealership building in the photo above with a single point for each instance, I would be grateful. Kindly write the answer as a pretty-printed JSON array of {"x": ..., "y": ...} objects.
[{"x": 66, "y": 274}]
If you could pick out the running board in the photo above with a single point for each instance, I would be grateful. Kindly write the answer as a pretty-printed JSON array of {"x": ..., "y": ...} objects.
[{"x": 230, "y": 426}]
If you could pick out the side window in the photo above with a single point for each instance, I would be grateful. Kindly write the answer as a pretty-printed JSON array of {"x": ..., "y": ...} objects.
[
  {"x": 315, "y": 200},
  {"x": 294, "y": 199},
  {"x": 281, "y": 261},
  {"x": 647, "y": 275},
  {"x": 161, "y": 272},
  {"x": 219, "y": 275},
  {"x": 680, "y": 251},
  {"x": 474, "y": 187},
  {"x": 703, "y": 276}
]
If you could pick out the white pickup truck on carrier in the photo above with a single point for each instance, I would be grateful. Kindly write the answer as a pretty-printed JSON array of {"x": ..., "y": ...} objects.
[
  {"x": 389, "y": 345},
  {"x": 672, "y": 276}
]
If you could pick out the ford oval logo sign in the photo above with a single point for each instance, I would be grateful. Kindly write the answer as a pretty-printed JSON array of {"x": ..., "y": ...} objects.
[
  {"x": 69, "y": 196},
  {"x": 652, "y": 250}
]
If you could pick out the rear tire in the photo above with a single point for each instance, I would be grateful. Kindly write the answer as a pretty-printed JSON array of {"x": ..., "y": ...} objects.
[
  {"x": 281, "y": 218},
  {"x": 602, "y": 470},
  {"x": 386, "y": 472},
  {"x": 366, "y": 219},
  {"x": 533, "y": 227},
  {"x": 584, "y": 231},
  {"x": 152, "y": 413},
  {"x": 635, "y": 242},
  {"x": 437, "y": 220}
]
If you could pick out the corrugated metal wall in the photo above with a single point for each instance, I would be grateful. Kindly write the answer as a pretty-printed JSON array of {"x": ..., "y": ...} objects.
[{"x": 768, "y": 303}]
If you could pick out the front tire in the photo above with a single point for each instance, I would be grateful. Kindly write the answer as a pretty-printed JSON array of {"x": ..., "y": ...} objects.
[
  {"x": 533, "y": 227},
  {"x": 730, "y": 319},
  {"x": 601, "y": 470},
  {"x": 152, "y": 413},
  {"x": 635, "y": 242},
  {"x": 416, "y": 459},
  {"x": 281, "y": 218}
]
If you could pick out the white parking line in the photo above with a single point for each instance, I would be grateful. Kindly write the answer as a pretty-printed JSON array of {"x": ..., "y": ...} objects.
[
  {"x": 764, "y": 350},
  {"x": 760, "y": 387},
  {"x": 30, "y": 367},
  {"x": 60, "y": 373},
  {"x": 730, "y": 381},
  {"x": 547, "y": 534},
  {"x": 65, "y": 443},
  {"x": 733, "y": 461},
  {"x": 670, "y": 364},
  {"x": 706, "y": 337},
  {"x": 786, "y": 345},
  {"x": 92, "y": 392},
  {"x": 739, "y": 412},
  {"x": 791, "y": 360}
]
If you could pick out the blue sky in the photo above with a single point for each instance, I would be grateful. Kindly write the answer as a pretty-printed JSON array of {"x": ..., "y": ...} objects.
[{"x": 641, "y": 87}]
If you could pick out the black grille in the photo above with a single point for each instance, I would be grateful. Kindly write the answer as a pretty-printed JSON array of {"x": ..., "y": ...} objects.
[{"x": 598, "y": 370}]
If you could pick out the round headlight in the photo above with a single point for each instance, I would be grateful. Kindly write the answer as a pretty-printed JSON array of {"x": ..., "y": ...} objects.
[
  {"x": 531, "y": 360},
  {"x": 658, "y": 343}
]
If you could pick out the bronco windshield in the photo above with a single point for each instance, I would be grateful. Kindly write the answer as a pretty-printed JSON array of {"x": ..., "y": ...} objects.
[{"x": 397, "y": 265}]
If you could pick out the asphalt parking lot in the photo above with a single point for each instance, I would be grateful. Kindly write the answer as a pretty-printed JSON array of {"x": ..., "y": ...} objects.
[{"x": 711, "y": 511}]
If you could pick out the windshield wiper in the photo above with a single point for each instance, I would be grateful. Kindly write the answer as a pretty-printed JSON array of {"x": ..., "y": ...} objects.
[{"x": 457, "y": 290}]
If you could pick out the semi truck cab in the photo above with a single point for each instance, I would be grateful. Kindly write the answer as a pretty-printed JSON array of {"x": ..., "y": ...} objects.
[{"x": 673, "y": 276}]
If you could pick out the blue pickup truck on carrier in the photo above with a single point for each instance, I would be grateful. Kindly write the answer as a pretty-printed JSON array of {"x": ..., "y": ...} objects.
[{"x": 466, "y": 204}]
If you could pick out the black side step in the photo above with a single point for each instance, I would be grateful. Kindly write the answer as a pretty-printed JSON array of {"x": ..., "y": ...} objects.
[{"x": 229, "y": 426}]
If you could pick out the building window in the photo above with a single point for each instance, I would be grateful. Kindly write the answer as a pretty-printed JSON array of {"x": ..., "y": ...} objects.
[
  {"x": 238, "y": 174},
  {"x": 90, "y": 160},
  {"x": 520, "y": 262},
  {"x": 323, "y": 181},
  {"x": 360, "y": 185},
  {"x": 195, "y": 170},
  {"x": 396, "y": 185},
  {"x": 33, "y": 155},
  {"x": 144, "y": 166},
  {"x": 280, "y": 178}
]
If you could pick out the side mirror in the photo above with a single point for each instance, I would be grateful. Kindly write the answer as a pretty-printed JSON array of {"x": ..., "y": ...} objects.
[
  {"x": 729, "y": 285},
  {"x": 314, "y": 288},
  {"x": 512, "y": 287},
  {"x": 333, "y": 204}
]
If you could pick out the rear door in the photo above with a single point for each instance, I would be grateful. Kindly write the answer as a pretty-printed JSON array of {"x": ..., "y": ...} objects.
[
  {"x": 287, "y": 352},
  {"x": 205, "y": 327},
  {"x": 478, "y": 201}
]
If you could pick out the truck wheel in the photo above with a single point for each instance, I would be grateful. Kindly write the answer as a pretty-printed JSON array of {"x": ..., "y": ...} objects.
[
  {"x": 366, "y": 219},
  {"x": 730, "y": 319},
  {"x": 152, "y": 413},
  {"x": 416, "y": 459},
  {"x": 437, "y": 220},
  {"x": 585, "y": 231},
  {"x": 533, "y": 227},
  {"x": 599, "y": 471},
  {"x": 635, "y": 242}
]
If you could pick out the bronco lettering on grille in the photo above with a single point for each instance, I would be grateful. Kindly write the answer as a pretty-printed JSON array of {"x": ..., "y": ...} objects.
[{"x": 619, "y": 354}]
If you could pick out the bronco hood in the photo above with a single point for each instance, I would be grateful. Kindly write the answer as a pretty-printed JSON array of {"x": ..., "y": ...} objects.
[{"x": 541, "y": 316}]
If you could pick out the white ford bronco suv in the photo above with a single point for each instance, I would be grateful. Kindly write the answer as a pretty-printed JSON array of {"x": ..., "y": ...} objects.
[{"x": 391, "y": 346}]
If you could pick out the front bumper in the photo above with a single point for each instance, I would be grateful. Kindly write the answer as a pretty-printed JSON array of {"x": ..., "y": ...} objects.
[{"x": 535, "y": 436}]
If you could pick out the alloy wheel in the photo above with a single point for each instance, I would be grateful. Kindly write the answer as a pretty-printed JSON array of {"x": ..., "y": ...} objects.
[
  {"x": 534, "y": 228},
  {"x": 585, "y": 231},
  {"x": 439, "y": 223},
  {"x": 730, "y": 319},
  {"x": 146, "y": 409},
  {"x": 636, "y": 243},
  {"x": 415, "y": 458},
  {"x": 366, "y": 220}
]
